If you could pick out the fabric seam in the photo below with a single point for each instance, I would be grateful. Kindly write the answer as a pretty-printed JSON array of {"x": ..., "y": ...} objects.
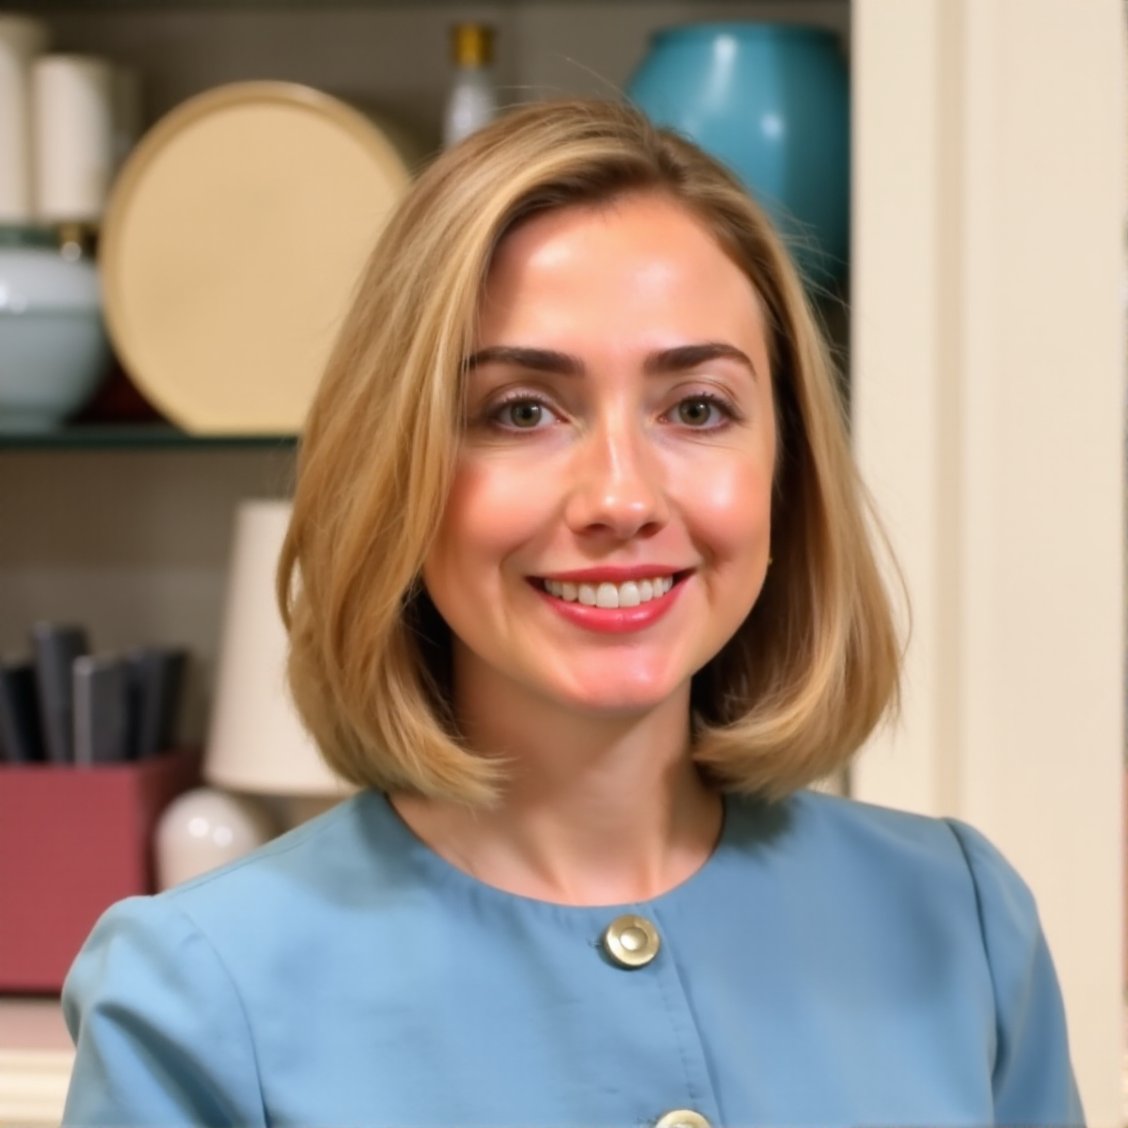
[
  {"x": 676, "y": 1022},
  {"x": 274, "y": 848},
  {"x": 964, "y": 853},
  {"x": 194, "y": 924},
  {"x": 715, "y": 1093}
]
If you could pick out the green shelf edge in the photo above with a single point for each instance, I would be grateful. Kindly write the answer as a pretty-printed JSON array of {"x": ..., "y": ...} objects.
[{"x": 137, "y": 437}]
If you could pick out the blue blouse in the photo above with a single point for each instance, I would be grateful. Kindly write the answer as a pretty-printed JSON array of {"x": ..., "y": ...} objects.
[{"x": 832, "y": 963}]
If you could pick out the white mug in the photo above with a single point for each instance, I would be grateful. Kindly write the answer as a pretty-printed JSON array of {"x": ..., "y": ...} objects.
[
  {"x": 21, "y": 40},
  {"x": 74, "y": 137}
]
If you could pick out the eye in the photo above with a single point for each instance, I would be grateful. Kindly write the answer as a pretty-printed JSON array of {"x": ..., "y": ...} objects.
[
  {"x": 702, "y": 412},
  {"x": 522, "y": 413}
]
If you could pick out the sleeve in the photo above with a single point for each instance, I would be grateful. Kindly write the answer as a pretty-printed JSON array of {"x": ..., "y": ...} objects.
[
  {"x": 1032, "y": 1080},
  {"x": 160, "y": 1034}
]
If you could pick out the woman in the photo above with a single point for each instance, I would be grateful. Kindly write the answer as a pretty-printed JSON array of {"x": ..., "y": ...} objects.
[{"x": 580, "y": 594}]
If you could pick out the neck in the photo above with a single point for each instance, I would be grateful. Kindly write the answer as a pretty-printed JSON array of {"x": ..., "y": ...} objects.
[{"x": 598, "y": 809}]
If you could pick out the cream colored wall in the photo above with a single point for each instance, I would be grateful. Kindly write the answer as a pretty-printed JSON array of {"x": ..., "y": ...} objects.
[{"x": 989, "y": 377}]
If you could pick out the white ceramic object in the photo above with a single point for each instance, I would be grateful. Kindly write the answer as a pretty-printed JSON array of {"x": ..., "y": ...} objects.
[
  {"x": 53, "y": 346},
  {"x": 73, "y": 108},
  {"x": 21, "y": 40},
  {"x": 205, "y": 828}
]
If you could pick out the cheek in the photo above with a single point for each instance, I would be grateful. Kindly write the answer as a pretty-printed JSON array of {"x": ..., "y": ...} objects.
[
  {"x": 729, "y": 510},
  {"x": 491, "y": 512}
]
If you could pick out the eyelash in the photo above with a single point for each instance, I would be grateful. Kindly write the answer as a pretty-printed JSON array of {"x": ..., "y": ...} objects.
[{"x": 494, "y": 412}]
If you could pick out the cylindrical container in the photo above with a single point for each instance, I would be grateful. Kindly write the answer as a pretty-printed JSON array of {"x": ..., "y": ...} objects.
[
  {"x": 21, "y": 40},
  {"x": 472, "y": 98},
  {"x": 772, "y": 102},
  {"x": 223, "y": 315},
  {"x": 73, "y": 118}
]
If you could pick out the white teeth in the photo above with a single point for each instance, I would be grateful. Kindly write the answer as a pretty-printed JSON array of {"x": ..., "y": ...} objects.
[
  {"x": 607, "y": 595},
  {"x": 629, "y": 594}
]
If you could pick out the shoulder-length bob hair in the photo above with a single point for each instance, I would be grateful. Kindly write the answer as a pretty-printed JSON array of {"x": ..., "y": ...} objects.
[{"x": 812, "y": 668}]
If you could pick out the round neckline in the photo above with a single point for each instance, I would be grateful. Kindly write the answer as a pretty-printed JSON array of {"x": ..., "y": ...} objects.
[{"x": 446, "y": 874}]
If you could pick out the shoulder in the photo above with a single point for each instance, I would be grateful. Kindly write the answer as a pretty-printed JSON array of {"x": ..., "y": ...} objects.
[
  {"x": 336, "y": 856},
  {"x": 256, "y": 913},
  {"x": 251, "y": 922},
  {"x": 903, "y": 881},
  {"x": 899, "y": 864},
  {"x": 869, "y": 834},
  {"x": 933, "y": 906}
]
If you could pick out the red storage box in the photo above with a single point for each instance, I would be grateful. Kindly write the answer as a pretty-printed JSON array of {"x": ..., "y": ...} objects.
[{"x": 73, "y": 840}]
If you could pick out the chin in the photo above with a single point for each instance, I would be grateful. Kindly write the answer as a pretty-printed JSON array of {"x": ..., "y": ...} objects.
[{"x": 620, "y": 701}]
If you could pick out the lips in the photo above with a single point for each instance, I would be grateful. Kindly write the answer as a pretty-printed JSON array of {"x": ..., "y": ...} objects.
[
  {"x": 615, "y": 600},
  {"x": 613, "y": 573}
]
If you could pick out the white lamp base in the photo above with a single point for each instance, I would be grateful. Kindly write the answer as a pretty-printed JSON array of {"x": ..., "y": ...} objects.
[{"x": 206, "y": 828}]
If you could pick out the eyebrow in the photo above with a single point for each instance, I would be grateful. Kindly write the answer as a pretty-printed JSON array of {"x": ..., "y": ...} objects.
[{"x": 664, "y": 361}]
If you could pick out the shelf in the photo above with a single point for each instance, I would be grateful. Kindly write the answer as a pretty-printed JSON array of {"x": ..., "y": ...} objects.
[
  {"x": 35, "y": 7},
  {"x": 138, "y": 437}
]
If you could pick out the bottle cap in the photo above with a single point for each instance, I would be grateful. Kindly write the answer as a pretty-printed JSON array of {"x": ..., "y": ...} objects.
[{"x": 473, "y": 44}]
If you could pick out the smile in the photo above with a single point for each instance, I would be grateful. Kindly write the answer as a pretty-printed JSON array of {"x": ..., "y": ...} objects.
[
  {"x": 596, "y": 602},
  {"x": 610, "y": 596}
]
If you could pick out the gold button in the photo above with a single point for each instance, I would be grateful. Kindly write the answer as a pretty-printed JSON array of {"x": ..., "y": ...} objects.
[
  {"x": 683, "y": 1118},
  {"x": 631, "y": 941}
]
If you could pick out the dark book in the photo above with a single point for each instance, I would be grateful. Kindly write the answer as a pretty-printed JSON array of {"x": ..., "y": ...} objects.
[
  {"x": 21, "y": 737},
  {"x": 101, "y": 709},
  {"x": 55, "y": 647},
  {"x": 156, "y": 679}
]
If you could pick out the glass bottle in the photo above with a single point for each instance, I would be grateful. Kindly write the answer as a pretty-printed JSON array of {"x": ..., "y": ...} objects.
[{"x": 472, "y": 99}]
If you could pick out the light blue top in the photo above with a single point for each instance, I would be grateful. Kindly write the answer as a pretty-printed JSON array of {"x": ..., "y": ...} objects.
[{"x": 832, "y": 963}]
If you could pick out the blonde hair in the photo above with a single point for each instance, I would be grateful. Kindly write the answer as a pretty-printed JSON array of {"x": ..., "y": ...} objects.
[{"x": 815, "y": 664}]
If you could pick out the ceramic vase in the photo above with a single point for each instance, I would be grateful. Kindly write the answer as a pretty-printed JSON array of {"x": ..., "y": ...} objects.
[{"x": 772, "y": 102}]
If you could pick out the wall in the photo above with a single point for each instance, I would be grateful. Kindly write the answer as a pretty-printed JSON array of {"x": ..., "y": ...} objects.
[{"x": 989, "y": 377}]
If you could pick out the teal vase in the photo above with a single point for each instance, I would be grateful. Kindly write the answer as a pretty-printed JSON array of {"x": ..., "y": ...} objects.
[{"x": 772, "y": 102}]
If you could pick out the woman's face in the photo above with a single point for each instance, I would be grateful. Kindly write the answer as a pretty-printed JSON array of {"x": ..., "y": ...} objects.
[{"x": 609, "y": 524}]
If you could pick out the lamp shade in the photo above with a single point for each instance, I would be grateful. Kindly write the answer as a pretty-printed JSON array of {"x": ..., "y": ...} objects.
[{"x": 256, "y": 742}]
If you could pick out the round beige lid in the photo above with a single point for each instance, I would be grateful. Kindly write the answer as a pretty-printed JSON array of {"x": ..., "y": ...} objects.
[{"x": 232, "y": 242}]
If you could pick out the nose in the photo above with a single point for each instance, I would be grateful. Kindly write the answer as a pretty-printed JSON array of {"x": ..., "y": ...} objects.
[{"x": 618, "y": 484}]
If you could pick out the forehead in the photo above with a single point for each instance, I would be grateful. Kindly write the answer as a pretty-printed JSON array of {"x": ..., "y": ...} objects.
[{"x": 627, "y": 262}]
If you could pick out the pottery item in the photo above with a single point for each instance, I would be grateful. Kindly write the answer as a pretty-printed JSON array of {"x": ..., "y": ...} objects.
[
  {"x": 772, "y": 102},
  {"x": 53, "y": 345}
]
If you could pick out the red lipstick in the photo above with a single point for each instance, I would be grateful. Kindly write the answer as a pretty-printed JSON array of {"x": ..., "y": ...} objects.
[
  {"x": 611, "y": 620},
  {"x": 613, "y": 573}
]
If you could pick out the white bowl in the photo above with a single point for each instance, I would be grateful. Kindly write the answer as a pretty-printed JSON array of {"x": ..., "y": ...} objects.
[{"x": 54, "y": 350}]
